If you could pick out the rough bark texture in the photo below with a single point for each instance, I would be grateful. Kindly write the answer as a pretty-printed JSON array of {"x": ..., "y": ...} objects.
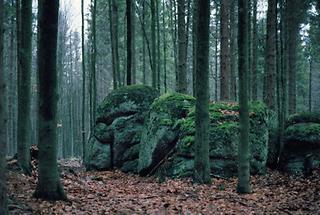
[
  {"x": 24, "y": 88},
  {"x": 129, "y": 41},
  {"x": 201, "y": 163},
  {"x": 182, "y": 55},
  {"x": 271, "y": 57},
  {"x": 225, "y": 50},
  {"x": 3, "y": 122},
  {"x": 49, "y": 186},
  {"x": 153, "y": 44},
  {"x": 83, "y": 83},
  {"x": 233, "y": 51},
  {"x": 254, "y": 72},
  {"x": 243, "y": 152}
]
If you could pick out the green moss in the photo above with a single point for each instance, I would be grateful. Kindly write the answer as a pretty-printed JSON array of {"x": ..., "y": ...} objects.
[
  {"x": 304, "y": 117},
  {"x": 303, "y": 135},
  {"x": 135, "y": 93},
  {"x": 176, "y": 104}
]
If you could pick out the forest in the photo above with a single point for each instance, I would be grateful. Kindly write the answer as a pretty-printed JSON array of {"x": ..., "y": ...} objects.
[{"x": 159, "y": 107}]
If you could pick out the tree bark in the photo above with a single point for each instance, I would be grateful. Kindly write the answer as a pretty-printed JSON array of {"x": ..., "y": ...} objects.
[
  {"x": 182, "y": 56},
  {"x": 271, "y": 60},
  {"x": 3, "y": 120},
  {"x": 48, "y": 186},
  {"x": 225, "y": 50},
  {"x": 153, "y": 44},
  {"x": 24, "y": 86},
  {"x": 254, "y": 72},
  {"x": 83, "y": 63},
  {"x": 233, "y": 51},
  {"x": 201, "y": 162},
  {"x": 129, "y": 41},
  {"x": 243, "y": 151}
]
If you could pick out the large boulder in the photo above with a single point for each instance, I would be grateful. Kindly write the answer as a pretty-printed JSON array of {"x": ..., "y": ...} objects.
[
  {"x": 167, "y": 145},
  {"x": 160, "y": 133},
  {"x": 117, "y": 131},
  {"x": 301, "y": 142}
]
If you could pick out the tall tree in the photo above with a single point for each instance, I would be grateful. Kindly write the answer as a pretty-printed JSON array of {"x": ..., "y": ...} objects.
[
  {"x": 233, "y": 50},
  {"x": 225, "y": 49},
  {"x": 24, "y": 88},
  {"x": 83, "y": 127},
  {"x": 93, "y": 79},
  {"x": 182, "y": 55},
  {"x": 48, "y": 186},
  {"x": 201, "y": 162},
  {"x": 153, "y": 44},
  {"x": 254, "y": 72},
  {"x": 243, "y": 151},
  {"x": 129, "y": 41},
  {"x": 271, "y": 50},
  {"x": 113, "y": 10},
  {"x": 158, "y": 46},
  {"x": 3, "y": 120}
]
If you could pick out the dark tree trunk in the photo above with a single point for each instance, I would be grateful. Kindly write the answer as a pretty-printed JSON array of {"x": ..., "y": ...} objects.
[
  {"x": 129, "y": 41},
  {"x": 225, "y": 50},
  {"x": 83, "y": 127},
  {"x": 182, "y": 55},
  {"x": 3, "y": 120},
  {"x": 48, "y": 186},
  {"x": 153, "y": 44},
  {"x": 271, "y": 58},
  {"x": 254, "y": 72},
  {"x": 24, "y": 88},
  {"x": 233, "y": 51},
  {"x": 243, "y": 151},
  {"x": 201, "y": 162}
]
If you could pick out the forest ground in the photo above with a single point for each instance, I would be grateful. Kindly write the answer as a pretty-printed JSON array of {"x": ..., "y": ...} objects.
[{"x": 113, "y": 192}]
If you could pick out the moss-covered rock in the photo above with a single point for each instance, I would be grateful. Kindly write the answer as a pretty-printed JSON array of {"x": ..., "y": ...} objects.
[
  {"x": 98, "y": 155},
  {"x": 126, "y": 101},
  {"x": 160, "y": 132},
  {"x": 301, "y": 141},
  {"x": 224, "y": 130},
  {"x": 119, "y": 126}
]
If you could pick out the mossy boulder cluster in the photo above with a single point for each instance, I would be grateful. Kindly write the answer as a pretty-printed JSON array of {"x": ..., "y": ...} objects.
[
  {"x": 117, "y": 132},
  {"x": 301, "y": 142},
  {"x": 137, "y": 131}
]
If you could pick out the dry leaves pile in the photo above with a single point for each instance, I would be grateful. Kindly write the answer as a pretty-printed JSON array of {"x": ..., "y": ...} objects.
[{"x": 119, "y": 193}]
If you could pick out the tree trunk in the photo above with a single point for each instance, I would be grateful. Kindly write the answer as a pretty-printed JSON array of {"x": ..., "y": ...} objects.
[
  {"x": 254, "y": 72},
  {"x": 143, "y": 24},
  {"x": 153, "y": 44},
  {"x": 93, "y": 64},
  {"x": 83, "y": 63},
  {"x": 243, "y": 151},
  {"x": 48, "y": 186},
  {"x": 271, "y": 58},
  {"x": 201, "y": 162},
  {"x": 182, "y": 55},
  {"x": 24, "y": 88},
  {"x": 194, "y": 46},
  {"x": 225, "y": 50},
  {"x": 3, "y": 120},
  {"x": 133, "y": 43},
  {"x": 129, "y": 41},
  {"x": 164, "y": 37},
  {"x": 158, "y": 45},
  {"x": 233, "y": 51}
]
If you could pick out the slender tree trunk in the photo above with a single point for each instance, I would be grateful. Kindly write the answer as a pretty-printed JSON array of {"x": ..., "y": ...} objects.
[
  {"x": 133, "y": 43},
  {"x": 254, "y": 72},
  {"x": 243, "y": 151},
  {"x": 310, "y": 85},
  {"x": 271, "y": 60},
  {"x": 48, "y": 186},
  {"x": 182, "y": 55},
  {"x": 144, "y": 80},
  {"x": 153, "y": 44},
  {"x": 93, "y": 64},
  {"x": 216, "y": 56},
  {"x": 24, "y": 87},
  {"x": 164, "y": 37},
  {"x": 225, "y": 50},
  {"x": 201, "y": 162},
  {"x": 3, "y": 120},
  {"x": 233, "y": 51},
  {"x": 194, "y": 46},
  {"x": 83, "y": 63},
  {"x": 158, "y": 46},
  {"x": 129, "y": 41}
]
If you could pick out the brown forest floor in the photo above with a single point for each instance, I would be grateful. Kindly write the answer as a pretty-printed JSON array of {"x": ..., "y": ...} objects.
[{"x": 119, "y": 193}]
